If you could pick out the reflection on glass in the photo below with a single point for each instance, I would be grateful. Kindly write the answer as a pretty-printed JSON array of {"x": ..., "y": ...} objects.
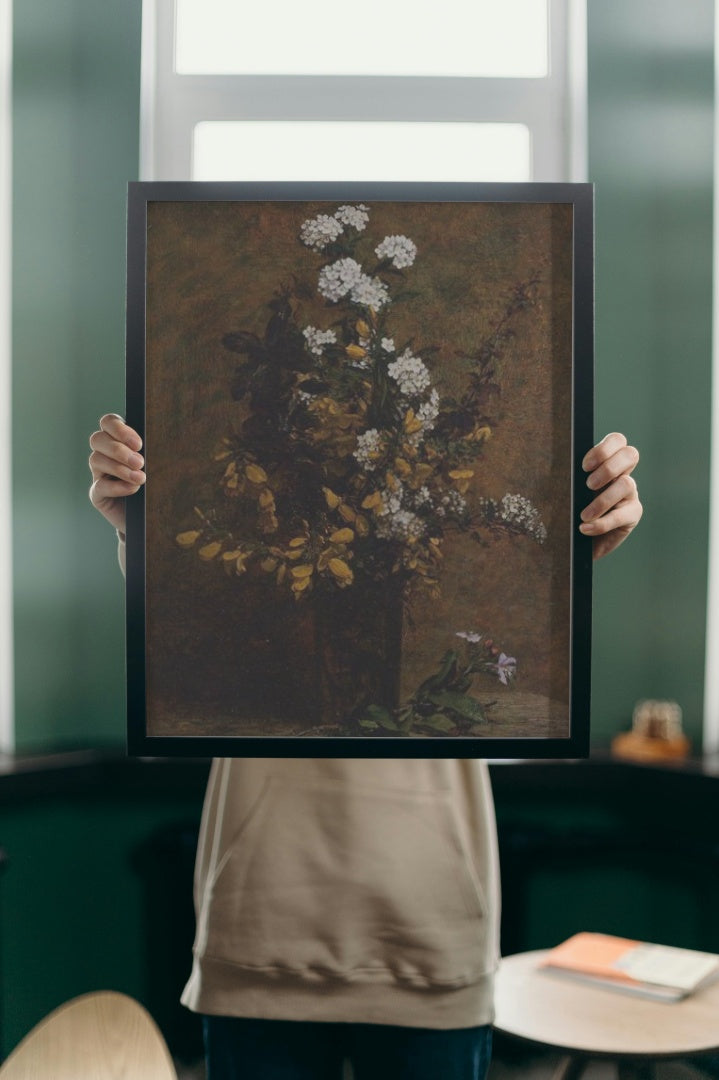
[
  {"x": 315, "y": 150},
  {"x": 506, "y": 39}
]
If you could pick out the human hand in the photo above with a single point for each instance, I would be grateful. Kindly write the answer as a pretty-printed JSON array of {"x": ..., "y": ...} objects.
[
  {"x": 116, "y": 467},
  {"x": 616, "y": 510}
]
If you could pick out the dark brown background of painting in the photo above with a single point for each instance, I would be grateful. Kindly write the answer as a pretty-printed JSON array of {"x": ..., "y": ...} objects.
[{"x": 218, "y": 649}]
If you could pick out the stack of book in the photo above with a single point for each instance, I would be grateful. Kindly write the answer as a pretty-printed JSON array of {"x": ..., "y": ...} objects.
[{"x": 661, "y": 972}]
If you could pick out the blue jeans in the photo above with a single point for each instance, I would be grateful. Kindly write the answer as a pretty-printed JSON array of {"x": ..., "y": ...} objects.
[{"x": 240, "y": 1049}]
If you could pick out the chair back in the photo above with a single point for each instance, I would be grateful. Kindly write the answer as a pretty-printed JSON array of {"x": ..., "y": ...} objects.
[{"x": 99, "y": 1036}]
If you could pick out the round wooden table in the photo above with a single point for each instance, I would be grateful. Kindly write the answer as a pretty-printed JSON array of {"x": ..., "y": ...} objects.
[{"x": 588, "y": 1022}]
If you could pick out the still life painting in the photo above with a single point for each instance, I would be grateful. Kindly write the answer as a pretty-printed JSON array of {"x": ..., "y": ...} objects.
[{"x": 358, "y": 522}]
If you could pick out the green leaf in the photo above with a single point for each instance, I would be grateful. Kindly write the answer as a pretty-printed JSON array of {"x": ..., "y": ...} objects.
[
  {"x": 447, "y": 669},
  {"x": 406, "y": 719},
  {"x": 380, "y": 717},
  {"x": 439, "y": 722},
  {"x": 467, "y": 707},
  {"x": 243, "y": 342},
  {"x": 370, "y": 725}
]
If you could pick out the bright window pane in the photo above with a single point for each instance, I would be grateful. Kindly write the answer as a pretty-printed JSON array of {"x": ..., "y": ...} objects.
[
  {"x": 279, "y": 150},
  {"x": 498, "y": 38}
]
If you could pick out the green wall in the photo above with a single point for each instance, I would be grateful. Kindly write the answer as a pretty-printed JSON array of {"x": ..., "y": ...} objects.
[
  {"x": 75, "y": 146},
  {"x": 76, "y": 88},
  {"x": 77, "y": 897},
  {"x": 650, "y": 156}
]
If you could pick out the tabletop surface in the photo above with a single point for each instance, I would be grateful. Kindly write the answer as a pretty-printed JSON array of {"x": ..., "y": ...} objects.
[{"x": 571, "y": 1015}]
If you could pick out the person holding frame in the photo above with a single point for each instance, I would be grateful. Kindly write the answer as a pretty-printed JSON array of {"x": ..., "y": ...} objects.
[{"x": 349, "y": 908}]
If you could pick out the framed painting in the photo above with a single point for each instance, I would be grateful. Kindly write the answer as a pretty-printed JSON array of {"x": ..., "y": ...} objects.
[{"x": 364, "y": 408}]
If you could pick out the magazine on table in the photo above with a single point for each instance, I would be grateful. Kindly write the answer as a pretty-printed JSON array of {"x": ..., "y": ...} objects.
[{"x": 660, "y": 972}]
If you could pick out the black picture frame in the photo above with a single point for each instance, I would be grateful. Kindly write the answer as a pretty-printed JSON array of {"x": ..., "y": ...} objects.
[{"x": 172, "y": 228}]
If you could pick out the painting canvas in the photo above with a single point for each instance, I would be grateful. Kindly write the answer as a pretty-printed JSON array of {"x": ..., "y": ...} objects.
[{"x": 363, "y": 408}]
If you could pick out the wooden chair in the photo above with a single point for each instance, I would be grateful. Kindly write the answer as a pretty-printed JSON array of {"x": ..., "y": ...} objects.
[{"x": 99, "y": 1036}]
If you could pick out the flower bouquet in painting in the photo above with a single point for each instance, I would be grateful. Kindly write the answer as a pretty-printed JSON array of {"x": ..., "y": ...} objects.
[{"x": 353, "y": 474}]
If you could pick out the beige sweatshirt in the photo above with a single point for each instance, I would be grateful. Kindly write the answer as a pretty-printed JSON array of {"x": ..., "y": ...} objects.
[{"x": 347, "y": 890}]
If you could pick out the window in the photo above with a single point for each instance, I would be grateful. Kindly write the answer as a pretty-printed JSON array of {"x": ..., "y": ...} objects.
[
  {"x": 264, "y": 149},
  {"x": 482, "y": 38},
  {"x": 297, "y": 91}
]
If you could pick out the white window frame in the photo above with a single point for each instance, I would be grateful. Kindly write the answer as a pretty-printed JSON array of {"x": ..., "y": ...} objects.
[
  {"x": 710, "y": 727},
  {"x": 553, "y": 108},
  {"x": 7, "y": 721}
]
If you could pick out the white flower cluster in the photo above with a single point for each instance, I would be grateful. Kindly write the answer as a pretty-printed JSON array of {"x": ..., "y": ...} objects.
[
  {"x": 398, "y": 249},
  {"x": 369, "y": 443},
  {"x": 452, "y": 504},
  {"x": 339, "y": 278},
  {"x": 317, "y": 339},
  {"x": 318, "y": 232},
  {"x": 428, "y": 411},
  {"x": 518, "y": 514},
  {"x": 346, "y": 278},
  {"x": 422, "y": 498},
  {"x": 370, "y": 292},
  {"x": 410, "y": 374},
  {"x": 354, "y": 216},
  {"x": 396, "y": 522},
  {"x": 387, "y": 344},
  {"x": 518, "y": 511}
]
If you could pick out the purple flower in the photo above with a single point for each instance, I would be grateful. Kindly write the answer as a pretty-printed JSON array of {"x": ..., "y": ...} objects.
[{"x": 506, "y": 668}]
